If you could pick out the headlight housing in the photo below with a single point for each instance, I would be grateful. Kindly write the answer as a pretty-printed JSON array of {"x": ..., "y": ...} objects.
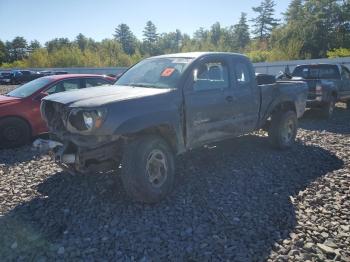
[{"x": 86, "y": 120}]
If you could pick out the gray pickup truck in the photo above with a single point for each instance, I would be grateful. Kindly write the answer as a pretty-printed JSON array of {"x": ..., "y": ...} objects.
[
  {"x": 327, "y": 84},
  {"x": 165, "y": 106}
]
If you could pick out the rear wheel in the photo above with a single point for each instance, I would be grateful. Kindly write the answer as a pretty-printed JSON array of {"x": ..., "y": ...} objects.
[
  {"x": 148, "y": 169},
  {"x": 14, "y": 132},
  {"x": 283, "y": 129},
  {"x": 327, "y": 109}
]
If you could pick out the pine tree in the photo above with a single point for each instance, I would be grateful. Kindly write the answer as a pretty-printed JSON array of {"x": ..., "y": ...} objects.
[
  {"x": 215, "y": 33},
  {"x": 150, "y": 33},
  {"x": 126, "y": 38},
  {"x": 81, "y": 41},
  {"x": 201, "y": 34},
  {"x": 19, "y": 48},
  {"x": 2, "y": 52},
  {"x": 294, "y": 11},
  {"x": 35, "y": 44},
  {"x": 241, "y": 32},
  {"x": 265, "y": 21}
]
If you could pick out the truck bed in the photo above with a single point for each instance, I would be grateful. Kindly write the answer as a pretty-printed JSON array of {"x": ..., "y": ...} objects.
[{"x": 272, "y": 94}]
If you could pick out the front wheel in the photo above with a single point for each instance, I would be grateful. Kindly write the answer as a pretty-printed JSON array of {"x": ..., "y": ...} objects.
[
  {"x": 283, "y": 129},
  {"x": 148, "y": 169},
  {"x": 13, "y": 132}
]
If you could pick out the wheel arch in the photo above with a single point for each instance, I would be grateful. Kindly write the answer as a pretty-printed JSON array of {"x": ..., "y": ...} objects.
[
  {"x": 165, "y": 131},
  {"x": 283, "y": 106}
]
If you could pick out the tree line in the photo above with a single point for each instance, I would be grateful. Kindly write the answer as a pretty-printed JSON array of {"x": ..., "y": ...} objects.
[{"x": 309, "y": 29}]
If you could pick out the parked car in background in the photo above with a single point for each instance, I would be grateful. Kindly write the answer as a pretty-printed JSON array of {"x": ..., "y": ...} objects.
[
  {"x": 15, "y": 77},
  {"x": 50, "y": 73},
  {"x": 6, "y": 77},
  {"x": 164, "y": 106},
  {"x": 20, "y": 117},
  {"x": 328, "y": 84},
  {"x": 23, "y": 76}
]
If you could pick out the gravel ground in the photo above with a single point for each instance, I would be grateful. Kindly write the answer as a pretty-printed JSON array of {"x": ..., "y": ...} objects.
[
  {"x": 6, "y": 88},
  {"x": 234, "y": 201}
]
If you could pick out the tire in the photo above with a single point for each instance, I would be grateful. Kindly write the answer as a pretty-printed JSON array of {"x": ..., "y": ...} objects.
[
  {"x": 14, "y": 132},
  {"x": 147, "y": 153},
  {"x": 327, "y": 109},
  {"x": 283, "y": 129}
]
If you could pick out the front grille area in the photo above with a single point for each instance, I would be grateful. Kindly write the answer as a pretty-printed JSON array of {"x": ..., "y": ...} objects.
[{"x": 55, "y": 114}]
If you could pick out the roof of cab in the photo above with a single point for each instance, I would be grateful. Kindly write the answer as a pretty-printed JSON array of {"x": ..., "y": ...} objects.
[{"x": 197, "y": 54}]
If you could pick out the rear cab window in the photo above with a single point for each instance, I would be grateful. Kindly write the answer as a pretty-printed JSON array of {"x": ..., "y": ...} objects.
[{"x": 317, "y": 72}]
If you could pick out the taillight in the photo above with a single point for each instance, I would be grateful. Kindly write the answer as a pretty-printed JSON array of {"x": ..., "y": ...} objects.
[{"x": 318, "y": 89}]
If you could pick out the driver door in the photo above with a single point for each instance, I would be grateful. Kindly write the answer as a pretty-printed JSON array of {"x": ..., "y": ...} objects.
[{"x": 208, "y": 103}]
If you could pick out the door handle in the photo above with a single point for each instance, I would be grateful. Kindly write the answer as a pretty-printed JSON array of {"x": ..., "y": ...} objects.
[{"x": 229, "y": 99}]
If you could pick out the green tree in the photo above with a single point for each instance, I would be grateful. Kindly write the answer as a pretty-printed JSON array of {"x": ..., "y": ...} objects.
[
  {"x": 35, "y": 44},
  {"x": 39, "y": 58},
  {"x": 67, "y": 57},
  {"x": 171, "y": 42},
  {"x": 19, "y": 48},
  {"x": 340, "y": 52},
  {"x": 294, "y": 11},
  {"x": 81, "y": 41},
  {"x": 241, "y": 33},
  {"x": 265, "y": 22},
  {"x": 215, "y": 33},
  {"x": 57, "y": 43},
  {"x": 150, "y": 33},
  {"x": 201, "y": 35},
  {"x": 2, "y": 52},
  {"x": 126, "y": 38},
  {"x": 150, "y": 39},
  {"x": 320, "y": 17}
]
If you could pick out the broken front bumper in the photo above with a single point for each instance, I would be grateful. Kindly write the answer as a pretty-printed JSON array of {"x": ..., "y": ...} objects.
[{"x": 84, "y": 160}]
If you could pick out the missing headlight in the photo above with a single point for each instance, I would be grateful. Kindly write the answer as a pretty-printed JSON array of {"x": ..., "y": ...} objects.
[{"x": 85, "y": 120}]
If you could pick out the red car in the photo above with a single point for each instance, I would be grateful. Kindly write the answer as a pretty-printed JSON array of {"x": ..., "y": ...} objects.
[{"x": 20, "y": 118}]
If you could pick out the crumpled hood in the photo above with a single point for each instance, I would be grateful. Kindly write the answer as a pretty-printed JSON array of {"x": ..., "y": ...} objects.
[
  {"x": 8, "y": 99},
  {"x": 102, "y": 95}
]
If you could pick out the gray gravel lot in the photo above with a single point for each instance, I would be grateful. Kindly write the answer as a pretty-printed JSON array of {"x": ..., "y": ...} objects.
[
  {"x": 234, "y": 201},
  {"x": 6, "y": 88}
]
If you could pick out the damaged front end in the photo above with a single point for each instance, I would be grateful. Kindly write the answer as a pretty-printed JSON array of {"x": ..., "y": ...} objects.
[{"x": 75, "y": 141}]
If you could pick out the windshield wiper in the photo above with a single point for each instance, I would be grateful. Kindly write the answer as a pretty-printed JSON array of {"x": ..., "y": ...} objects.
[{"x": 140, "y": 85}]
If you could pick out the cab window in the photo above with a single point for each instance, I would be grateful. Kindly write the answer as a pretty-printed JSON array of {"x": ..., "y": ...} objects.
[
  {"x": 211, "y": 76},
  {"x": 345, "y": 73},
  {"x": 241, "y": 74}
]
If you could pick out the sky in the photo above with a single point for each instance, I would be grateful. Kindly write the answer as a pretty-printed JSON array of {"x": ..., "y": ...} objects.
[{"x": 44, "y": 20}]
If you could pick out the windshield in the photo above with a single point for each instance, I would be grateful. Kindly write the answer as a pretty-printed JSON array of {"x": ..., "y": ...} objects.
[
  {"x": 317, "y": 72},
  {"x": 155, "y": 73},
  {"x": 29, "y": 88}
]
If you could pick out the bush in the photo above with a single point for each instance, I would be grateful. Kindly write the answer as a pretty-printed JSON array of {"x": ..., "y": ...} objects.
[{"x": 340, "y": 52}]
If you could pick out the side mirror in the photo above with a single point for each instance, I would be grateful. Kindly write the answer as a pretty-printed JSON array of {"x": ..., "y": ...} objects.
[{"x": 41, "y": 96}]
